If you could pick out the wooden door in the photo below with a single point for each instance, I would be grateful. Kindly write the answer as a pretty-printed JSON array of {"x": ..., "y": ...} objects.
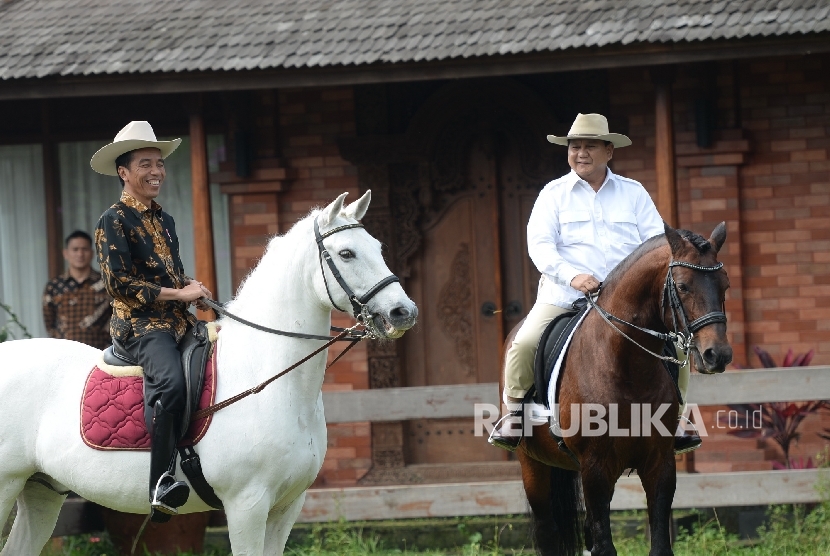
[{"x": 472, "y": 265}]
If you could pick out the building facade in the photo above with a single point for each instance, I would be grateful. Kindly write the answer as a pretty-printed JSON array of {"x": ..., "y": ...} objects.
[{"x": 723, "y": 129}]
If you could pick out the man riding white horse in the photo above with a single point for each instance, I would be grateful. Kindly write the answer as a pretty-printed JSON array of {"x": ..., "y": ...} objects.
[
  {"x": 138, "y": 252},
  {"x": 582, "y": 225}
]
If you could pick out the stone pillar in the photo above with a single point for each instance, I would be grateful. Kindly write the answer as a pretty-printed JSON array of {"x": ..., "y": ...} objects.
[{"x": 710, "y": 194}]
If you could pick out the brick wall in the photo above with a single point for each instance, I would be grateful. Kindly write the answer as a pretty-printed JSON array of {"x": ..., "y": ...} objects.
[
  {"x": 767, "y": 174},
  {"x": 311, "y": 120},
  {"x": 296, "y": 135}
]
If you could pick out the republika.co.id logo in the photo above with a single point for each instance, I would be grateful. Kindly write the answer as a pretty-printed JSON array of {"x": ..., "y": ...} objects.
[{"x": 590, "y": 419}]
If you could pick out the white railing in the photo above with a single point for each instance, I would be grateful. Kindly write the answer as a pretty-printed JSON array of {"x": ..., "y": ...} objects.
[
  {"x": 694, "y": 490},
  {"x": 507, "y": 497}
]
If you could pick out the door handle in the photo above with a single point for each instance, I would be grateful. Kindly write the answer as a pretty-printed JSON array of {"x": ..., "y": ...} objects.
[
  {"x": 488, "y": 309},
  {"x": 513, "y": 309}
]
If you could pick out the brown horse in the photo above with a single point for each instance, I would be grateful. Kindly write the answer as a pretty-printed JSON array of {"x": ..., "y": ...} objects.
[{"x": 671, "y": 283}]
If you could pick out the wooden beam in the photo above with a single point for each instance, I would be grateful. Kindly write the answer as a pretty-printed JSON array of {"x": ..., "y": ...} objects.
[
  {"x": 761, "y": 385},
  {"x": 52, "y": 194},
  {"x": 664, "y": 163},
  {"x": 400, "y": 404},
  {"x": 441, "y": 402},
  {"x": 695, "y": 490},
  {"x": 460, "y": 68},
  {"x": 205, "y": 270}
]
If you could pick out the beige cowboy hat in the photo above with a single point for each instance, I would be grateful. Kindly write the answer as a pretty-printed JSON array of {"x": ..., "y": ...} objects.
[
  {"x": 591, "y": 126},
  {"x": 135, "y": 135}
]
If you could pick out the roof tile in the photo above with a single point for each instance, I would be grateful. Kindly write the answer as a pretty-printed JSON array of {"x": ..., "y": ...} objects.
[{"x": 82, "y": 37}]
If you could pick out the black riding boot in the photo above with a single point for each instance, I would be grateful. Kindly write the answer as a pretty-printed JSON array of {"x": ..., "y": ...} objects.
[
  {"x": 166, "y": 494},
  {"x": 504, "y": 434},
  {"x": 686, "y": 442}
]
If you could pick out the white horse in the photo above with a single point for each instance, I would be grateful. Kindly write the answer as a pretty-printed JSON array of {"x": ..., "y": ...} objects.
[{"x": 261, "y": 453}]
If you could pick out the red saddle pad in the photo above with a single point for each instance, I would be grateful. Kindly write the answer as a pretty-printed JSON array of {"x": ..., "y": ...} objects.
[{"x": 112, "y": 411}]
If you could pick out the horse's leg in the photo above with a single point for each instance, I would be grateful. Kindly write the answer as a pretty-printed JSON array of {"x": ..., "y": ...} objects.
[
  {"x": 598, "y": 489},
  {"x": 247, "y": 515},
  {"x": 37, "y": 512},
  {"x": 553, "y": 495},
  {"x": 280, "y": 522},
  {"x": 659, "y": 482},
  {"x": 536, "y": 481},
  {"x": 8, "y": 494}
]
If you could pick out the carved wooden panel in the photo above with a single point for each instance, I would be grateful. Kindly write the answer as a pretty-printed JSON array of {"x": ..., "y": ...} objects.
[
  {"x": 455, "y": 310},
  {"x": 454, "y": 192}
]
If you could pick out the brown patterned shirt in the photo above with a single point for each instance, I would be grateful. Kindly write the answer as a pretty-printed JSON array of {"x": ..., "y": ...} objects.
[
  {"x": 78, "y": 311},
  {"x": 138, "y": 252}
]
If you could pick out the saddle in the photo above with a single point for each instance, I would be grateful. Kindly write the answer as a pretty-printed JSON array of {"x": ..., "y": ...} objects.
[
  {"x": 195, "y": 349},
  {"x": 549, "y": 349},
  {"x": 112, "y": 406}
]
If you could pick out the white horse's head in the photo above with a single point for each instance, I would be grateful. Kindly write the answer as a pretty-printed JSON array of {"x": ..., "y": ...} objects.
[{"x": 365, "y": 286}]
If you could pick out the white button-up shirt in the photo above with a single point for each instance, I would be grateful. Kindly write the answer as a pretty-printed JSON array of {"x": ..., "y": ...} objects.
[{"x": 575, "y": 230}]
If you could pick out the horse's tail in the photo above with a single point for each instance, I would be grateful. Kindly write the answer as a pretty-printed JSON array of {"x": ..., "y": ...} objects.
[{"x": 557, "y": 528}]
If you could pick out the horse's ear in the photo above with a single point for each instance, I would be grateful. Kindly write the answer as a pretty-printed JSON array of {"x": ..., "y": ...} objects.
[
  {"x": 357, "y": 210},
  {"x": 332, "y": 211},
  {"x": 674, "y": 239},
  {"x": 718, "y": 236}
]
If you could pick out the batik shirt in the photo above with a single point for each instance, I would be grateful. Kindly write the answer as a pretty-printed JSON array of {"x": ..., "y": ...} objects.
[
  {"x": 78, "y": 311},
  {"x": 138, "y": 252}
]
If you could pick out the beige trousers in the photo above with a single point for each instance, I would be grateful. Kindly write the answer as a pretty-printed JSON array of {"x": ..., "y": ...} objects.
[
  {"x": 521, "y": 355},
  {"x": 518, "y": 368}
]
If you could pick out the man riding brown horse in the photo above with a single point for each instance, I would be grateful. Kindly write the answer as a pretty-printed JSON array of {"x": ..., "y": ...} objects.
[{"x": 582, "y": 225}]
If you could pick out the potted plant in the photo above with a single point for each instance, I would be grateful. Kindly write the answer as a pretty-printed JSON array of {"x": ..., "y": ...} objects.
[{"x": 779, "y": 420}]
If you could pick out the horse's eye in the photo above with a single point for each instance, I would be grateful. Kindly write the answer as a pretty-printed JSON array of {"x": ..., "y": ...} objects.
[
  {"x": 346, "y": 254},
  {"x": 682, "y": 288}
]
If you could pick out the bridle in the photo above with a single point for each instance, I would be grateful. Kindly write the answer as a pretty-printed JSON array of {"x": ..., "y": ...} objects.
[
  {"x": 683, "y": 337},
  {"x": 352, "y": 334},
  {"x": 359, "y": 310}
]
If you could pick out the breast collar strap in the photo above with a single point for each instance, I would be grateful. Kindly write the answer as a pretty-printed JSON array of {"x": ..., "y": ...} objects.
[{"x": 359, "y": 310}]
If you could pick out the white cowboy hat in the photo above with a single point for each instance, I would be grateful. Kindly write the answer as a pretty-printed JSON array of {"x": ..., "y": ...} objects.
[
  {"x": 591, "y": 126},
  {"x": 135, "y": 135}
]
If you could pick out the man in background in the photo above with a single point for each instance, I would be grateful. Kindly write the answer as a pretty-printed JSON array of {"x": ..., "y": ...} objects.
[{"x": 76, "y": 305}]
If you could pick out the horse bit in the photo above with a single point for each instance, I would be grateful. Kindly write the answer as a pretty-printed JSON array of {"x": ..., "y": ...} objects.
[{"x": 683, "y": 337}]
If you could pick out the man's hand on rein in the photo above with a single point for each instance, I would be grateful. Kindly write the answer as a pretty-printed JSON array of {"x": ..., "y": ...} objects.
[{"x": 585, "y": 283}]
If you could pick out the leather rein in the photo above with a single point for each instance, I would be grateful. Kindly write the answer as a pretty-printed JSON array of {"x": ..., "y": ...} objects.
[
  {"x": 362, "y": 330},
  {"x": 683, "y": 337}
]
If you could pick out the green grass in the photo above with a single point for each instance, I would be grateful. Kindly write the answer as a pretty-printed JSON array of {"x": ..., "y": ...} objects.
[{"x": 792, "y": 530}]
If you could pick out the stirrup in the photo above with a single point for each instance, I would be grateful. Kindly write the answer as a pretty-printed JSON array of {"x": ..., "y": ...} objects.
[
  {"x": 161, "y": 490},
  {"x": 684, "y": 418},
  {"x": 692, "y": 440},
  {"x": 504, "y": 441}
]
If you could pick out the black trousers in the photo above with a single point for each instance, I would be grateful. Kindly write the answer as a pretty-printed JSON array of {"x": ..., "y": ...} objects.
[{"x": 158, "y": 353}]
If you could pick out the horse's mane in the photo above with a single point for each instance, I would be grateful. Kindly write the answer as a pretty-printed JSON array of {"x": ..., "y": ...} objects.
[
  {"x": 299, "y": 236},
  {"x": 699, "y": 242},
  {"x": 282, "y": 243}
]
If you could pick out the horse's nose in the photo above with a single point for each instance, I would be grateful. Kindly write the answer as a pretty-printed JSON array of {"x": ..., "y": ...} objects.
[
  {"x": 403, "y": 316},
  {"x": 717, "y": 358}
]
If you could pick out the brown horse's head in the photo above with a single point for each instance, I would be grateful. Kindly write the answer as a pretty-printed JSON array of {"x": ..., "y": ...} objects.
[{"x": 701, "y": 292}]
